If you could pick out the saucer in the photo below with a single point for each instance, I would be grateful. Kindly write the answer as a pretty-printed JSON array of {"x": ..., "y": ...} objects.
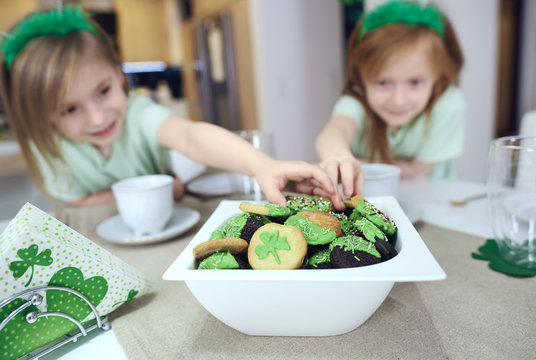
[
  {"x": 219, "y": 184},
  {"x": 116, "y": 231}
]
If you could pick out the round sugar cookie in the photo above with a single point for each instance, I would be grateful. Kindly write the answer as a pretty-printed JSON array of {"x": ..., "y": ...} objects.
[
  {"x": 324, "y": 219},
  {"x": 275, "y": 246},
  {"x": 207, "y": 248}
]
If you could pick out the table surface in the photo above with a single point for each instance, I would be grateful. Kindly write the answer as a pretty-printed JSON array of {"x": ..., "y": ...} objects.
[{"x": 427, "y": 200}]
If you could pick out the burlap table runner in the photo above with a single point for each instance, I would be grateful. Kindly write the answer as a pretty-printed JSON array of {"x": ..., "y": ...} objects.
[{"x": 475, "y": 313}]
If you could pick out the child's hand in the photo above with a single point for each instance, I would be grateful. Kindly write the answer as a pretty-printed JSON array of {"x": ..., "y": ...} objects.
[
  {"x": 348, "y": 170},
  {"x": 275, "y": 176}
]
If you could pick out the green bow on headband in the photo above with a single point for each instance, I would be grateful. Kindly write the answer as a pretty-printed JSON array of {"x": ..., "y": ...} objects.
[
  {"x": 43, "y": 23},
  {"x": 403, "y": 12}
]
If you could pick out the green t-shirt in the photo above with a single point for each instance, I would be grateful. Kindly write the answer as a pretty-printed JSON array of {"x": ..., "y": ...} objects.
[
  {"x": 439, "y": 140},
  {"x": 135, "y": 153}
]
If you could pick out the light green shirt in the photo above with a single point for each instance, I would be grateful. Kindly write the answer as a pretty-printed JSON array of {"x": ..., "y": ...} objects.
[
  {"x": 439, "y": 140},
  {"x": 135, "y": 153}
]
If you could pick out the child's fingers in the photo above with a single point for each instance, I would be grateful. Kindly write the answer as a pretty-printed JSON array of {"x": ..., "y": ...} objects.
[
  {"x": 274, "y": 196},
  {"x": 332, "y": 170},
  {"x": 301, "y": 172},
  {"x": 348, "y": 177}
]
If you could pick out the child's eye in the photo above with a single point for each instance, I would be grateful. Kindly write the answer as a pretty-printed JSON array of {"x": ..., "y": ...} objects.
[
  {"x": 416, "y": 82},
  {"x": 68, "y": 110},
  {"x": 105, "y": 90},
  {"x": 382, "y": 83}
]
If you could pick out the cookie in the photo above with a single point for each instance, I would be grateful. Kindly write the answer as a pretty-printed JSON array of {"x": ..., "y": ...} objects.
[
  {"x": 367, "y": 230},
  {"x": 319, "y": 260},
  {"x": 276, "y": 246},
  {"x": 222, "y": 260},
  {"x": 207, "y": 248},
  {"x": 314, "y": 234},
  {"x": 268, "y": 209},
  {"x": 353, "y": 251},
  {"x": 363, "y": 208},
  {"x": 241, "y": 226},
  {"x": 304, "y": 202},
  {"x": 324, "y": 219}
]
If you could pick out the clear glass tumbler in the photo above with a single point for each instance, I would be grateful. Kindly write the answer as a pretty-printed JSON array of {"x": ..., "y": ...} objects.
[
  {"x": 263, "y": 141},
  {"x": 511, "y": 187}
]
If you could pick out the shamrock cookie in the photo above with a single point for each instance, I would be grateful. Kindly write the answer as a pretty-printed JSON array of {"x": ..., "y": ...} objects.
[{"x": 276, "y": 246}]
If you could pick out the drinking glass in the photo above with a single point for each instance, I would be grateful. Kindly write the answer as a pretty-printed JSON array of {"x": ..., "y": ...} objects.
[
  {"x": 511, "y": 185},
  {"x": 263, "y": 141}
]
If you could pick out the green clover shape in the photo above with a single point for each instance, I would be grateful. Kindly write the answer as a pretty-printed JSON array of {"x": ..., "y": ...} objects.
[
  {"x": 131, "y": 295},
  {"x": 272, "y": 243},
  {"x": 30, "y": 258},
  {"x": 490, "y": 252}
]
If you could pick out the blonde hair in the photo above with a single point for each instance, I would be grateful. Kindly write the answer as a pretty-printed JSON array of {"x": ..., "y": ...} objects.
[
  {"x": 33, "y": 90},
  {"x": 366, "y": 58}
]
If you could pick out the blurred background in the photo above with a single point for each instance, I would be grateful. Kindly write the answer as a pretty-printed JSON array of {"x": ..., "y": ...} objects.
[{"x": 277, "y": 65}]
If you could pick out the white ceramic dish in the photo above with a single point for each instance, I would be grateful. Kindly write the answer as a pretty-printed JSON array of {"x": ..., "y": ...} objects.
[
  {"x": 116, "y": 231},
  {"x": 303, "y": 302}
]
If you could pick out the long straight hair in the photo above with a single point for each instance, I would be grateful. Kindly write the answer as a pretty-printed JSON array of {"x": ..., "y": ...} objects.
[
  {"x": 33, "y": 90},
  {"x": 366, "y": 58}
]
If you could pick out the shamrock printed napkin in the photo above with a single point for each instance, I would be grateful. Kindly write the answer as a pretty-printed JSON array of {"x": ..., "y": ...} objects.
[
  {"x": 490, "y": 252},
  {"x": 38, "y": 250}
]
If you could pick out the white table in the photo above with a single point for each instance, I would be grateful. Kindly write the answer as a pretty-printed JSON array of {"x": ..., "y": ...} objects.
[{"x": 426, "y": 199}]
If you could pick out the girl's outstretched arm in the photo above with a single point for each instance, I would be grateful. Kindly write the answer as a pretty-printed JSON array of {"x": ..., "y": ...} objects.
[
  {"x": 333, "y": 149},
  {"x": 219, "y": 148}
]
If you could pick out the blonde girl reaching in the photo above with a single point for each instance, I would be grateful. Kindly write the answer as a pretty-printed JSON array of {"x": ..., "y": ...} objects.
[
  {"x": 400, "y": 103},
  {"x": 67, "y": 101}
]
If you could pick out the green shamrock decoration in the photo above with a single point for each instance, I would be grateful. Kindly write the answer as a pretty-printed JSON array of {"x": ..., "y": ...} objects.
[
  {"x": 131, "y": 295},
  {"x": 272, "y": 243},
  {"x": 18, "y": 337},
  {"x": 30, "y": 258},
  {"x": 490, "y": 252}
]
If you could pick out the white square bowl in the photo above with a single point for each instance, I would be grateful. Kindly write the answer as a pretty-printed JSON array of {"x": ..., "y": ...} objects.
[{"x": 303, "y": 302}]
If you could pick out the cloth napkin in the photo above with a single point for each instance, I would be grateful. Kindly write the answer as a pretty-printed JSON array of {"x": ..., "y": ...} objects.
[
  {"x": 490, "y": 252},
  {"x": 37, "y": 250}
]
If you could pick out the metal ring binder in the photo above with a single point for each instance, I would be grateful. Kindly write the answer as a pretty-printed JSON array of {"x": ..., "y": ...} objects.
[{"x": 34, "y": 298}]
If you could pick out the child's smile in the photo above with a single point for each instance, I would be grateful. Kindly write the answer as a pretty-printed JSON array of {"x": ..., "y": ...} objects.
[{"x": 95, "y": 106}]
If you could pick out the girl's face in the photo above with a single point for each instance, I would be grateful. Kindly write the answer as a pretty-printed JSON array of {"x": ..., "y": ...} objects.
[
  {"x": 400, "y": 92},
  {"x": 95, "y": 106}
]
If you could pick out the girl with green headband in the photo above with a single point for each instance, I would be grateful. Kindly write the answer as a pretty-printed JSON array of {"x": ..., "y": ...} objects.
[
  {"x": 400, "y": 103},
  {"x": 66, "y": 100}
]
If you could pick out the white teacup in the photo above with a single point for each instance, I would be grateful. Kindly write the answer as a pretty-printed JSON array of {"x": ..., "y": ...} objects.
[
  {"x": 145, "y": 203},
  {"x": 381, "y": 180}
]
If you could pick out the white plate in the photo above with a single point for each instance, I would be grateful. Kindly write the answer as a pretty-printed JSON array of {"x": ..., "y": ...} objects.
[
  {"x": 116, "y": 231},
  {"x": 219, "y": 184}
]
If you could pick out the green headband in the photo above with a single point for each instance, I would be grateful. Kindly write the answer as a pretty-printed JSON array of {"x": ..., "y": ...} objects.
[
  {"x": 403, "y": 12},
  {"x": 43, "y": 23}
]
